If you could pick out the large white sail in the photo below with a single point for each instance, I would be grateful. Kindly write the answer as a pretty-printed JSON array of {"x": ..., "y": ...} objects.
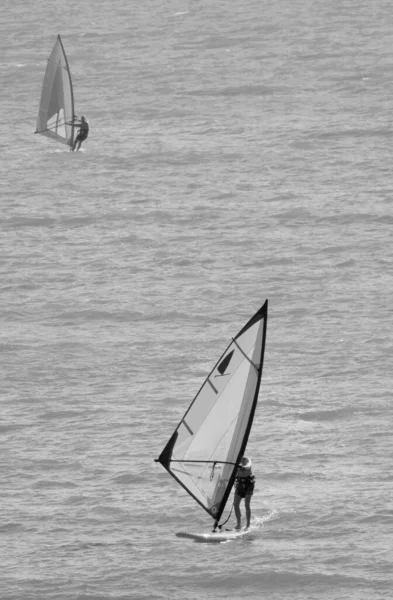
[
  {"x": 57, "y": 100},
  {"x": 205, "y": 450}
]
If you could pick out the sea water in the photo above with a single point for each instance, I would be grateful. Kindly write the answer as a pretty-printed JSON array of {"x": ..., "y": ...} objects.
[{"x": 238, "y": 151}]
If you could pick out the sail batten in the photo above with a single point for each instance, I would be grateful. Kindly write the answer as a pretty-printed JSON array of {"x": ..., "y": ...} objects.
[
  {"x": 203, "y": 453},
  {"x": 56, "y": 110}
]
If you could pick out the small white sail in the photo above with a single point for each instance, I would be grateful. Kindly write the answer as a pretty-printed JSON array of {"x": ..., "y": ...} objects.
[
  {"x": 57, "y": 100},
  {"x": 205, "y": 450}
]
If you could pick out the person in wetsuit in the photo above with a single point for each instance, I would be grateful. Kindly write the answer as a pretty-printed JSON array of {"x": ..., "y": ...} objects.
[
  {"x": 82, "y": 134},
  {"x": 244, "y": 488}
]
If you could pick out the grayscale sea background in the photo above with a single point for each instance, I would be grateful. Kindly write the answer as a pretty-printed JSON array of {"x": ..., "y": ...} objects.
[{"x": 238, "y": 151}]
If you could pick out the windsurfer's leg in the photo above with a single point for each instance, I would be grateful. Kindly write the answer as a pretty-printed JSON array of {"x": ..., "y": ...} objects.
[
  {"x": 247, "y": 501},
  {"x": 76, "y": 142},
  {"x": 238, "y": 515}
]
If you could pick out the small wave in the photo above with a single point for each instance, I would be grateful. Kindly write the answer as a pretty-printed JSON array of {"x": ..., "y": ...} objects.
[
  {"x": 241, "y": 90},
  {"x": 49, "y": 484},
  {"x": 294, "y": 214},
  {"x": 128, "y": 478},
  {"x": 332, "y": 250},
  {"x": 352, "y": 133},
  {"x": 60, "y": 414},
  {"x": 384, "y": 518},
  {"x": 345, "y": 263},
  {"x": 11, "y": 527},
  {"x": 326, "y": 415},
  {"x": 282, "y": 261},
  {"x": 224, "y": 196},
  {"x": 350, "y": 218},
  {"x": 12, "y": 427},
  {"x": 19, "y": 222},
  {"x": 85, "y": 545},
  {"x": 293, "y": 476},
  {"x": 7, "y": 347},
  {"x": 78, "y": 221},
  {"x": 268, "y": 579},
  {"x": 50, "y": 464},
  {"x": 97, "y": 315}
]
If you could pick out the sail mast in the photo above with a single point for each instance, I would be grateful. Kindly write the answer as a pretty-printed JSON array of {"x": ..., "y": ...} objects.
[{"x": 71, "y": 139}]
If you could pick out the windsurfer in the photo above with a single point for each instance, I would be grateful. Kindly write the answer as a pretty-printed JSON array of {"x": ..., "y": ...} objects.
[
  {"x": 82, "y": 134},
  {"x": 245, "y": 482}
]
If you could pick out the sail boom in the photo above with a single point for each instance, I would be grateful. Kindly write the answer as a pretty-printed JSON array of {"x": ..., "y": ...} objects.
[{"x": 206, "y": 462}]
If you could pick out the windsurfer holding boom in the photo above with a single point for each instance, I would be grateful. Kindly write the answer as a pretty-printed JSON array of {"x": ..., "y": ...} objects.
[{"x": 82, "y": 134}]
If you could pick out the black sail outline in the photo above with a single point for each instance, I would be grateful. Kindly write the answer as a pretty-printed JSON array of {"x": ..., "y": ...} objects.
[{"x": 206, "y": 468}]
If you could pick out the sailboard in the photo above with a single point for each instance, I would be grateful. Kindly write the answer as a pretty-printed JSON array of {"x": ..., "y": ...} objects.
[
  {"x": 56, "y": 108},
  {"x": 205, "y": 450},
  {"x": 215, "y": 536}
]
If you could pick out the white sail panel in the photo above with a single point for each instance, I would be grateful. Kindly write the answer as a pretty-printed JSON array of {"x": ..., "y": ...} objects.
[
  {"x": 57, "y": 101},
  {"x": 207, "y": 445}
]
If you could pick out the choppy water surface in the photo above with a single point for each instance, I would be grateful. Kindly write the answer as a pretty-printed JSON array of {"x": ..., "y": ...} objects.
[{"x": 238, "y": 151}]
